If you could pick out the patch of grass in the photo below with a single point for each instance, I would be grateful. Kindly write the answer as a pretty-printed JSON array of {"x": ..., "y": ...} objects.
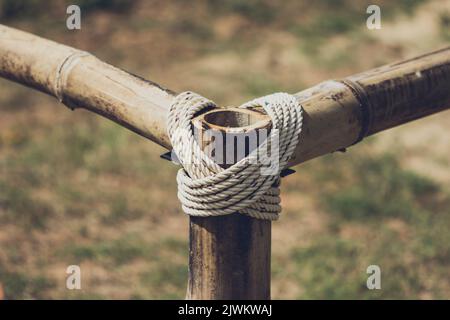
[
  {"x": 168, "y": 281},
  {"x": 18, "y": 206},
  {"x": 25, "y": 9},
  {"x": 118, "y": 6},
  {"x": 96, "y": 145},
  {"x": 165, "y": 276},
  {"x": 194, "y": 28},
  {"x": 120, "y": 211},
  {"x": 76, "y": 202},
  {"x": 259, "y": 11},
  {"x": 335, "y": 268},
  {"x": 80, "y": 295},
  {"x": 175, "y": 246},
  {"x": 407, "y": 6},
  {"x": 329, "y": 24},
  {"x": 313, "y": 34},
  {"x": 20, "y": 285},
  {"x": 124, "y": 250},
  {"x": 328, "y": 269},
  {"x": 382, "y": 214},
  {"x": 14, "y": 98},
  {"x": 328, "y": 18},
  {"x": 117, "y": 211},
  {"x": 432, "y": 241},
  {"x": 10, "y": 9},
  {"x": 380, "y": 187},
  {"x": 120, "y": 251},
  {"x": 445, "y": 25},
  {"x": 65, "y": 148},
  {"x": 257, "y": 85}
]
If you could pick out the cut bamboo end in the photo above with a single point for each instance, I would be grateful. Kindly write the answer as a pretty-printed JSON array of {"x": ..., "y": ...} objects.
[{"x": 233, "y": 120}]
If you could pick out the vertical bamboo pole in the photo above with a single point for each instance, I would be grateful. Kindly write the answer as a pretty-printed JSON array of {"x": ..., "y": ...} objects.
[{"x": 229, "y": 256}]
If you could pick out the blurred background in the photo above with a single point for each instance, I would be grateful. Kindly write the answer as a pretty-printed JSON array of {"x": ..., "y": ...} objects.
[{"x": 79, "y": 189}]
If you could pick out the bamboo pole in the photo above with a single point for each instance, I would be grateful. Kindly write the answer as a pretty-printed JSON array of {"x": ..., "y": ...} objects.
[
  {"x": 337, "y": 114},
  {"x": 229, "y": 256},
  {"x": 131, "y": 101},
  {"x": 333, "y": 113}
]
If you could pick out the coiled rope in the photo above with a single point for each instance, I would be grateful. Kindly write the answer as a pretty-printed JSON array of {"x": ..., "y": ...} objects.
[{"x": 207, "y": 189}]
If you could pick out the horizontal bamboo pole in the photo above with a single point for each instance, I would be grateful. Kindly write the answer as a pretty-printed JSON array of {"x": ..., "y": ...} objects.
[
  {"x": 395, "y": 94},
  {"x": 129, "y": 100},
  {"x": 336, "y": 113}
]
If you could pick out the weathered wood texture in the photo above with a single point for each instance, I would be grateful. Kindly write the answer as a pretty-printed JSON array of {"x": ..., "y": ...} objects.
[
  {"x": 229, "y": 256},
  {"x": 397, "y": 93},
  {"x": 131, "y": 101}
]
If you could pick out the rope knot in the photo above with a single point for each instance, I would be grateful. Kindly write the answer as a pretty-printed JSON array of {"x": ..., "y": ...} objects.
[{"x": 250, "y": 186}]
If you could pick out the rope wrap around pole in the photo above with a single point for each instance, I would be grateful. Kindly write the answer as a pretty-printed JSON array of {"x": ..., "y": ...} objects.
[{"x": 251, "y": 186}]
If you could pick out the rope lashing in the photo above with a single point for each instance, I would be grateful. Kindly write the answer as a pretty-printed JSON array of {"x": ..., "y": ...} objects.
[{"x": 207, "y": 189}]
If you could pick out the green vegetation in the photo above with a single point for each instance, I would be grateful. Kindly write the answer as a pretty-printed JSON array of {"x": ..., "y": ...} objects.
[
  {"x": 164, "y": 271},
  {"x": 328, "y": 269},
  {"x": 165, "y": 281},
  {"x": 379, "y": 187},
  {"x": 378, "y": 213},
  {"x": 21, "y": 9},
  {"x": 19, "y": 207},
  {"x": 259, "y": 11},
  {"x": 445, "y": 25},
  {"x": 259, "y": 85},
  {"x": 115, "y": 252}
]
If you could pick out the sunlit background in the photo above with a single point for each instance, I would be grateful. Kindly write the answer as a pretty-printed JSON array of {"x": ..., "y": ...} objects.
[{"x": 79, "y": 189}]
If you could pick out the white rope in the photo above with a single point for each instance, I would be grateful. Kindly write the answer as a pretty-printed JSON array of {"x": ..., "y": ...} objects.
[{"x": 207, "y": 189}]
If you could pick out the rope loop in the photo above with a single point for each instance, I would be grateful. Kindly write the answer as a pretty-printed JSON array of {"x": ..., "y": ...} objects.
[{"x": 250, "y": 186}]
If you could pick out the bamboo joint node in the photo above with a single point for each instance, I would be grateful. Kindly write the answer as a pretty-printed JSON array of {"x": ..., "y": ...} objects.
[
  {"x": 250, "y": 186},
  {"x": 366, "y": 107},
  {"x": 63, "y": 71}
]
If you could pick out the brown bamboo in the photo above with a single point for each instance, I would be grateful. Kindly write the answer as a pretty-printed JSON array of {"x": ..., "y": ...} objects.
[
  {"x": 397, "y": 93},
  {"x": 336, "y": 115},
  {"x": 229, "y": 255},
  {"x": 131, "y": 101}
]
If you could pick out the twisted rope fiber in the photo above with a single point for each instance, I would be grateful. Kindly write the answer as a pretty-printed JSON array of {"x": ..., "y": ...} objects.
[{"x": 207, "y": 189}]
